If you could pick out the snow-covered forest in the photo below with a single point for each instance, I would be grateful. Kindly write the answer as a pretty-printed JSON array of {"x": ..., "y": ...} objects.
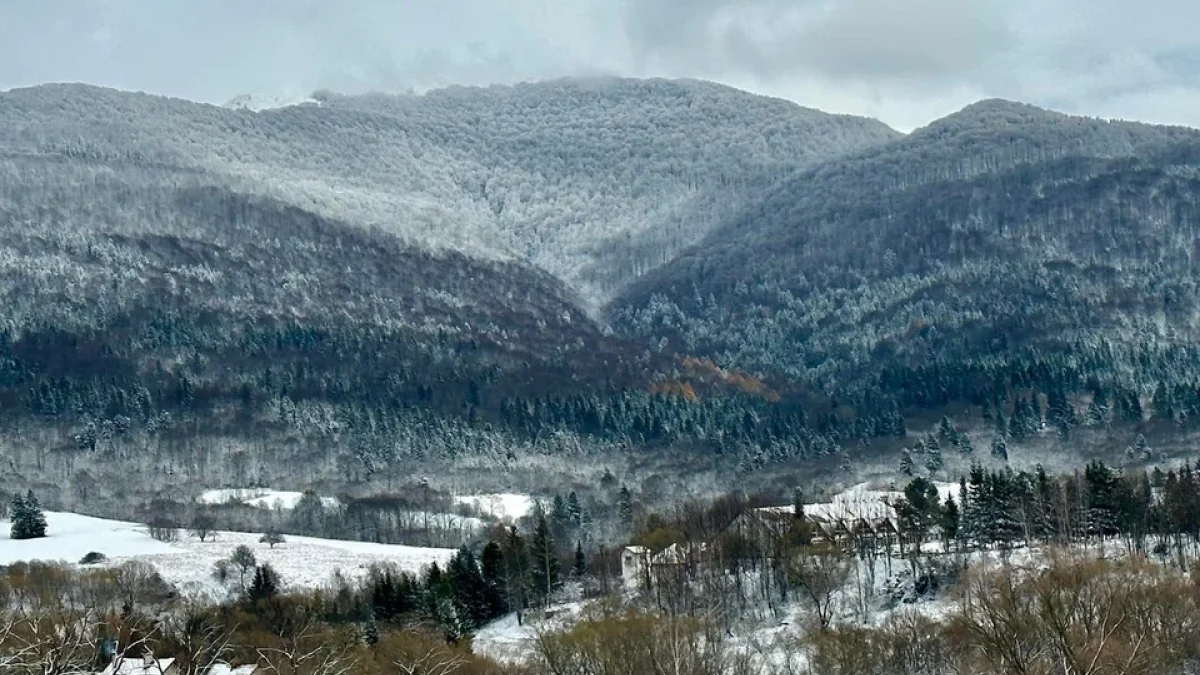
[{"x": 524, "y": 288}]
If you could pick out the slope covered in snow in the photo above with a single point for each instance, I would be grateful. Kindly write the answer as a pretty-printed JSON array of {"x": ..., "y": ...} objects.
[
  {"x": 595, "y": 181},
  {"x": 302, "y": 562}
]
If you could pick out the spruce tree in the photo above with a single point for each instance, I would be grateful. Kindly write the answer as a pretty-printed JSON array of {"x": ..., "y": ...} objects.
[
  {"x": 562, "y": 519},
  {"x": 1142, "y": 448},
  {"x": 28, "y": 521},
  {"x": 948, "y": 521},
  {"x": 264, "y": 586},
  {"x": 574, "y": 510},
  {"x": 492, "y": 568},
  {"x": 467, "y": 589},
  {"x": 906, "y": 462},
  {"x": 516, "y": 573},
  {"x": 371, "y": 631},
  {"x": 625, "y": 508},
  {"x": 580, "y": 566},
  {"x": 974, "y": 498},
  {"x": 1102, "y": 502},
  {"x": 933, "y": 457},
  {"x": 544, "y": 568}
]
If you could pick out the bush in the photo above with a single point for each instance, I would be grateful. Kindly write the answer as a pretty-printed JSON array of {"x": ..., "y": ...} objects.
[{"x": 93, "y": 558}]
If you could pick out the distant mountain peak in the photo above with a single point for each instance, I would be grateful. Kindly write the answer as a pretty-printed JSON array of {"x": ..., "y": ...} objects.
[
  {"x": 995, "y": 113},
  {"x": 260, "y": 102}
]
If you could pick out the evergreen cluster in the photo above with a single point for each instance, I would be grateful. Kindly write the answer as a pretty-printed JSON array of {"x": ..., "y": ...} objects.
[
  {"x": 1000, "y": 508},
  {"x": 28, "y": 521},
  {"x": 512, "y": 573}
]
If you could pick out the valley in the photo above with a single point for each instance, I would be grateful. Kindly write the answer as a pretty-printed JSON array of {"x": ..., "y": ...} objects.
[{"x": 428, "y": 371}]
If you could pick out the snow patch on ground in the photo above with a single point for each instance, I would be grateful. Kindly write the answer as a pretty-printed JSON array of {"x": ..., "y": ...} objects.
[
  {"x": 69, "y": 537},
  {"x": 501, "y": 506},
  {"x": 302, "y": 562},
  {"x": 507, "y": 641},
  {"x": 263, "y": 498}
]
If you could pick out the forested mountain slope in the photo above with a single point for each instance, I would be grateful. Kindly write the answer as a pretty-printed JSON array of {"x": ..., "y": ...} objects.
[
  {"x": 1000, "y": 250},
  {"x": 344, "y": 292},
  {"x": 595, "y": 181},
  {"x": 346, "y": 289}
]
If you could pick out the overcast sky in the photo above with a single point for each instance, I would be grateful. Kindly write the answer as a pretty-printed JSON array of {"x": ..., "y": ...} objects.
[{"x": 904, "y": 61}]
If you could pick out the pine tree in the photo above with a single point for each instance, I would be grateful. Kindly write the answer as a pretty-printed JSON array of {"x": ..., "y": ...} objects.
[
  {"x": 559, "y": 509},
  {"x": 28, "y": 521},
  {"x": 1098, "y": 410},
  {"x": 574, "y": 510},
  {"x": 580, "y": 566},
  {"x": 906, "y": 462},
  {"x": 847, "y": 466},
  {"x": 918, "y": 511},
  {"x": 468, "y": 590},
  {"x": 492, "y": 564},
  {"x": 798, "y": 504},
  {"x": 516, "y": 573},
  {"x": 1044, "y": 505},
  {"x": 948, "y": 521},
  {"x": 974, "y": 498},
  {"x": 1163, "y": 405},
  {"x": 625, "y": 508},
  {"x": 371, "y": 631},
  {"x": 264, "y": 586},
  {"x": 946, "y": 430},
  {"x": 1142, "y": 448},
  {"x": 933, "y": 457},
  {"x": 544, "y": 569},
  {"x": 1004, "y": 512},
  {"x": 1062, "y": 413},
  {"x": 1102, "y": 503}
]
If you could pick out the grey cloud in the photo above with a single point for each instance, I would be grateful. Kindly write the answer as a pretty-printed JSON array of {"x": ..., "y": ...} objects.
[
  {"x": 862, "y": 39},
  {"x": 903, "y": 60}
]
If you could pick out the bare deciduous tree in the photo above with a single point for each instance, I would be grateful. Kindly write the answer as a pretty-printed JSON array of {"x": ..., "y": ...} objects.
[{"x": 820, "y": 572}]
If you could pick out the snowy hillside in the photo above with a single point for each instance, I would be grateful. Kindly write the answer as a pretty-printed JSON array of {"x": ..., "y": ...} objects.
[
  {"x": 595, "y": 181},
  {"x": 302, "y": 562}
]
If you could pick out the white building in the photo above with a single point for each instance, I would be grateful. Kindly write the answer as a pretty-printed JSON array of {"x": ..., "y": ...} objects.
[{"x": 635, "y": 565}]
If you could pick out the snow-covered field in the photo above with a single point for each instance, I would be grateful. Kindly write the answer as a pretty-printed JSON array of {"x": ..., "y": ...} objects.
[
  {"x": 263, "y": 498},
  {"x": 501, "y": 506},
  {"x": 302, "y": 562},
  {"x": 71, "y": 536}
]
